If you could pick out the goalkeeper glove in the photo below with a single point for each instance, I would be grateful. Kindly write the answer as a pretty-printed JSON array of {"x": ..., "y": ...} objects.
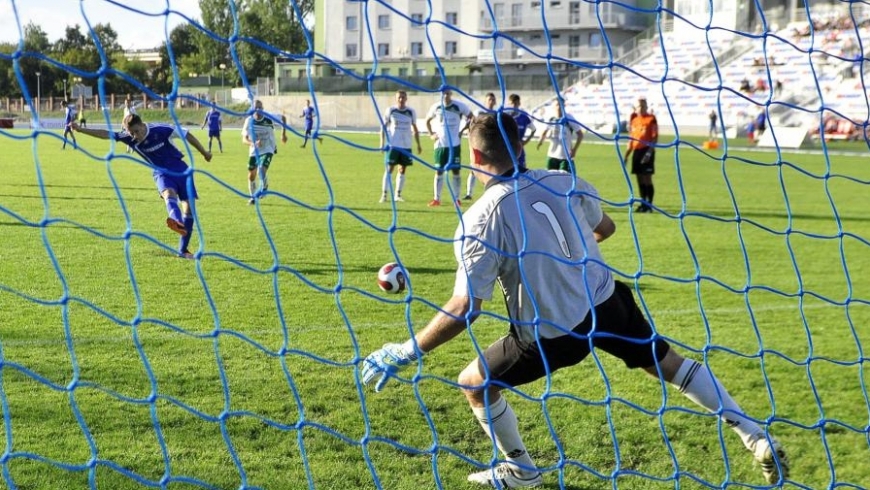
[{"x": 386, "y": 362}]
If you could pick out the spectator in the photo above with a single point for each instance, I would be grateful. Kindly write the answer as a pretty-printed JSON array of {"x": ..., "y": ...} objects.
[{"x": 760, "y": 123}]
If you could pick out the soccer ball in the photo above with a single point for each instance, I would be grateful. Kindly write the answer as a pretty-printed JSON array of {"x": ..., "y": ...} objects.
[{"x": 392, "y": 278}]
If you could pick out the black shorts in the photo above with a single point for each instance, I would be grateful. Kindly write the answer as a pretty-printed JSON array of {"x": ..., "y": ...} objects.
[
  {"x": 647, "y": 168},
  {"x": 620, "y": 329}
]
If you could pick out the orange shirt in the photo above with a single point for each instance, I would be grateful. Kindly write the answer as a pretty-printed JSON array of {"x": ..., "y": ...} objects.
[{"x": 644, "y": 131}]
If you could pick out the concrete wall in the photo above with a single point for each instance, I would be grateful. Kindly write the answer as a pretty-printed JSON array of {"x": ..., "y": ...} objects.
[{"x": 358, "y": 111}]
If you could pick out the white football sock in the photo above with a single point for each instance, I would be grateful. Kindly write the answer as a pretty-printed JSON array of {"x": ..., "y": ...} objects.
[
  {"x": 457, "y": 185},
  {"x": 439, "y": 184},
  {"x": 469, "y": 184},
  {"x": 503, "y": 427},
  {"x": 385, "y": 183},
  {"x": 694, "y": 380},
  {"x": 400, "y": 184},
  {"x": 252, "y": 187}
]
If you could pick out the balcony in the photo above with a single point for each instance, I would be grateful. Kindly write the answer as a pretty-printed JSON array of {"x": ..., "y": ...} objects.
[
  {"x": 562, "y": 19},
  {"x": 537, "y": 54}
]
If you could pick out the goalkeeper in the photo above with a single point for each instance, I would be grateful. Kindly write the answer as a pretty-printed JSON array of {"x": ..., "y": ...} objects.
[{"x": 551, "y": 295}]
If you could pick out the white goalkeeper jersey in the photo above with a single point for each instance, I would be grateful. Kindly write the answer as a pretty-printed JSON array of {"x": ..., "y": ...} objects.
[
  {"x": 399, "y": 124},
  {"x": 447, "y": 122},
  {"x": 561, "y": 274},
  {"x": 562, "y": 137},
  {"x": 262, "y": 129}
]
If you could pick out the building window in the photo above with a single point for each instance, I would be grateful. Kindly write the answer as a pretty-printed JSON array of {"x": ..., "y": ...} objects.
[
  {"x": 420, "y": 72},
  {"x": 417, "y": 20},
  {"x": 383, "y": 22},
  {"x": 450, "y": 48},
  {"x": 498, "y": 12},
  {"x": 594, "y": 39},
  {"x": 574, "y": 13},
  {"x": 536, "y": 5},
  {"x": 403, "y": 72},
  {"x": 350, "y": 23},
  {"x": 385, "y": 72},
  {"x": 383, "y": 49},
  {"x": 516, "y": 15},
  {"x": 451, "y": 18},
  {"x": 555, "y": 4},
  {"x": 416, "y": 49},
  {"x": 350, "y": 51},
  {"x": 573, "y": 47}
]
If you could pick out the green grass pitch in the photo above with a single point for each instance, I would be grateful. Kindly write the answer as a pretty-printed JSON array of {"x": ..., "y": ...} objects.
[{"x": 125, "y": 367}]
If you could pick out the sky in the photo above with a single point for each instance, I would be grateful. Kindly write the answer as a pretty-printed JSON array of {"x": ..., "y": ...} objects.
[{"x": 135, "y": 30}]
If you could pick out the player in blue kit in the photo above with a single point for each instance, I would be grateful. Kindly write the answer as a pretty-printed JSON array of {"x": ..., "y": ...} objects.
[
  {"x": 215, "y": 126},
  {"x": 153, "y": 143},
  {"x": 308, "y": 114},
  {"x": 525, "y": 126},
  {"x": 70, "y": 114}
]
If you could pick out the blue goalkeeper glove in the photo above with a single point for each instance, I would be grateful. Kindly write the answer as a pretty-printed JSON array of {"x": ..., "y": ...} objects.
[{"x": 386, "y": 362}]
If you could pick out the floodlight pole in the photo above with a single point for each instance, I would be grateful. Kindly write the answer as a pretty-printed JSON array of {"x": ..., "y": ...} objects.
[
  {"x": 38, "y": 90},
  {"x": 223, "y": 68}
]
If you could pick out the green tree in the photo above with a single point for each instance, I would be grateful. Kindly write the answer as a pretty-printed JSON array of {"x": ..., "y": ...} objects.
[
  {"x": 265, "y": 27},
  {"x": 8, "y": 83},
  {"x": 36, "y": 46},
  {"x": 184, "y": 42}
]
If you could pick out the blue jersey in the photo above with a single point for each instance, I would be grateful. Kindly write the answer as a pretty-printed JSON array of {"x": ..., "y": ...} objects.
[
  {"x": 70, "y": 114},
  {"x": 308, "y": 114},
  {"x": 523, "y": 122},
  {"x": 213, "y": 118},
  {"x": 157, "y": 148}
]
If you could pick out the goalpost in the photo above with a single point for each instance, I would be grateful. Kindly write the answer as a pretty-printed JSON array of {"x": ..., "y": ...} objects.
[{"x": 121, "y": 367}]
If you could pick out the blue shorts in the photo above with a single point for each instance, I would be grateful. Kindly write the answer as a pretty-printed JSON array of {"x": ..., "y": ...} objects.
[
  {"x": 214, "y": 133},
  {"x": 178, "y": 183}
]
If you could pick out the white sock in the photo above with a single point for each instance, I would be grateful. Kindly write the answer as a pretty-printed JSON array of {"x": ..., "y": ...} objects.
[
  {"x": 400, "y": 184},
  {"x": 439, "y": 184},
  {"x": 385, "y": 183},
  {"x": 694, "y": 380},
  {"x": 265, "y": 180},
  {"x": 252, "y": 187},
  {"x": 457, "y": 185},
  {"x": 503, "y": 427},
  {"x": 469, "y": 184}
]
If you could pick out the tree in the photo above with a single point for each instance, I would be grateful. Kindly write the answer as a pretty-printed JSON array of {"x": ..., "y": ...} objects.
[
  {"x": 184, "y": 42},
  {"x": 266, "y": 28},
  {"x": 8, "y": 82},
  {"x": 36, "y": 46}
]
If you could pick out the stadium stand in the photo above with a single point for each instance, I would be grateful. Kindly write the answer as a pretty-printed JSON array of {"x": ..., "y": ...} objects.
[{"x": 739, "y": 75}]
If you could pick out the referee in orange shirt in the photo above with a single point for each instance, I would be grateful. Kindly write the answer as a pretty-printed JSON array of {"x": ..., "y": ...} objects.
[{"x": 644, "y": 134}]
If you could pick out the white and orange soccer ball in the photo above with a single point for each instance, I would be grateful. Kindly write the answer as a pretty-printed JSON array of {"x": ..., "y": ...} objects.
[{"x": 392, "y": 278}]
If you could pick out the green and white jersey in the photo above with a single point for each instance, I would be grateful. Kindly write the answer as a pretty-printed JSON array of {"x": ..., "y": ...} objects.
[
  {"x": 262, "y": 129},
  {"x": 562, "y": 273},
  {"x": 399, "y": 124},
  {"x": 447, "y": 122},
  {"x": 561, "y": 137}
]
